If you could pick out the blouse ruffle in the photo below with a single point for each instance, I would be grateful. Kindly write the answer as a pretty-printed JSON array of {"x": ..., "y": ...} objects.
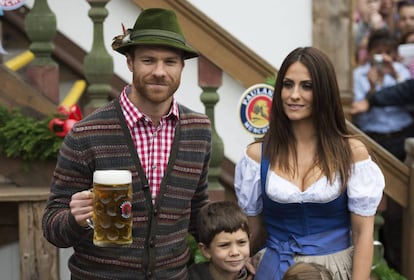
[{"x": 365, "y": 188}]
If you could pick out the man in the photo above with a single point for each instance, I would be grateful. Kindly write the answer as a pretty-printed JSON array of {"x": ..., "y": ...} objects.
[
  {"x": 400, "y": 94},
  {"x": 164, "y": 144},
  {"x": 405, "y": 14}
]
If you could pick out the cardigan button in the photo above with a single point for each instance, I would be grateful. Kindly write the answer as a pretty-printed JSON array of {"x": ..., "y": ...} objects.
[{"x": 152, "y": 242}]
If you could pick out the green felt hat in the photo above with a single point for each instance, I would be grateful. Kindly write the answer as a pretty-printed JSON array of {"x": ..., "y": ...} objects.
[{"x": 157, "y": 27}]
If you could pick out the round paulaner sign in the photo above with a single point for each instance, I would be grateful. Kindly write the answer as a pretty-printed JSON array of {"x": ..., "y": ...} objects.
[{"x": 254, "y": 107}]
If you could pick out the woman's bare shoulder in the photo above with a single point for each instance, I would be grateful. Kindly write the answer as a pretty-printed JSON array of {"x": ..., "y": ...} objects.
[
  {"x": 254, "y": 151},
  {"x": 359, "y": 150}
]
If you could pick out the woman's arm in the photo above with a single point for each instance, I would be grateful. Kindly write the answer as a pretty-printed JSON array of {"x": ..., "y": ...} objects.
[
  {"x": 362, "y": 226},
  {"x": 363, "y": 240}
]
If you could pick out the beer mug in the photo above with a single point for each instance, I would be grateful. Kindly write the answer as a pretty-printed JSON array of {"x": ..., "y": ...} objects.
[{"x": 112, "y": 213}]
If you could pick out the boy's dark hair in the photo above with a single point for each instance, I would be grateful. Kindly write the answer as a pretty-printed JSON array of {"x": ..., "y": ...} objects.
[
  {"x": 220, "y": 216},
  {"x": 382, "y": 37}
]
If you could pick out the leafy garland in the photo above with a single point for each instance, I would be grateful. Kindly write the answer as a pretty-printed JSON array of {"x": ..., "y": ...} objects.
[
  {"x": 26, "y": 137},
  {"x": 196, "y": 254},
  {"x": 383, "y": 272}
]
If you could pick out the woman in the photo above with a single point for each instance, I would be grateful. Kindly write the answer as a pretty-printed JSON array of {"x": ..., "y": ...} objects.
[{"x": 320, "y": 188}]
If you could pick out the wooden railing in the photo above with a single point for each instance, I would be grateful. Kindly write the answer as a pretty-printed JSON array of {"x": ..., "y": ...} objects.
[{"x": 38, "y": 258}]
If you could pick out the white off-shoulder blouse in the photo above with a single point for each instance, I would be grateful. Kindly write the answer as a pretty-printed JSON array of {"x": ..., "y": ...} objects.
[{"x": 365, "y": 188}]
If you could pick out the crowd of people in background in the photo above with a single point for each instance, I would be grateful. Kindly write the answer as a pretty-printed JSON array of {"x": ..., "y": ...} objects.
[
  {"x": 397, "y": 16},
  {"x": 384, "y": 59}
]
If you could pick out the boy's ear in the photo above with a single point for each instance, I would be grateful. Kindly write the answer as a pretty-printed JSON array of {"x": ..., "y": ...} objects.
[{"x": 204, "y": 250}]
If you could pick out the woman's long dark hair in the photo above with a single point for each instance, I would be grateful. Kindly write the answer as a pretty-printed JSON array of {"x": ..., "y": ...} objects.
[{"x": 333, "y": 149}]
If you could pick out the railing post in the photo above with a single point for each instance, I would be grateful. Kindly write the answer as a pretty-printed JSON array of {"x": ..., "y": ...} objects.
[
  {"x": 43, "y": 72},
  {"x": 98, "y": 64},
  {"x": 408, "y": 216},
  {"x": 210, "y": 79}
]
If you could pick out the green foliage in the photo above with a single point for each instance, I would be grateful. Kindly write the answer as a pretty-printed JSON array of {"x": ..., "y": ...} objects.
[
  {"x": 270, "y": 81},
  {"x": 383, "y": 272},
  {"x": 380, "y": 269},
  {"x": 26, "y": 137},
  {"x": 196, "y": 255}
]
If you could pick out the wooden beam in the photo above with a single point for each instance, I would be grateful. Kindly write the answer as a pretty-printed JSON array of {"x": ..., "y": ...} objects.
[
  {"x": 15, "y": 92},
  {"x": 11, "y": 193},
  {"x": 332, "y": 32}
]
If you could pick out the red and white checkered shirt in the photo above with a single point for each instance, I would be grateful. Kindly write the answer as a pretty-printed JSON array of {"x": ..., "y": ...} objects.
[{"x": 153, "y": 143}]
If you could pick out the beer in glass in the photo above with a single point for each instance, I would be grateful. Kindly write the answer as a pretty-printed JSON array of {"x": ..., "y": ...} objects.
[{"x": 112, "y": 213}]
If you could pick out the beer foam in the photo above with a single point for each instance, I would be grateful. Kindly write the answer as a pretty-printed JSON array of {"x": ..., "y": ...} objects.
[{"x": 112, "y": 177}]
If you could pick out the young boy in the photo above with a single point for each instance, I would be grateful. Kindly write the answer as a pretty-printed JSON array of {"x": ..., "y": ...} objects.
[{"x": 224, "y": 240}]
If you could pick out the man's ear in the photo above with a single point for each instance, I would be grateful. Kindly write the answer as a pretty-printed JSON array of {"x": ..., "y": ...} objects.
[
  {"x": 130, "y": 62},
  {"x": 204, "y": 249}
]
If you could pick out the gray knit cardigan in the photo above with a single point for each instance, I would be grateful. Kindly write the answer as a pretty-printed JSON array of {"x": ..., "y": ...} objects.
[{"x": 159, "y": 250}]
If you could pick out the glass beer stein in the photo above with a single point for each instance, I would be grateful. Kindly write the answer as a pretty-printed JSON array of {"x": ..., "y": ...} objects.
[{"x": 112, "y": 213}]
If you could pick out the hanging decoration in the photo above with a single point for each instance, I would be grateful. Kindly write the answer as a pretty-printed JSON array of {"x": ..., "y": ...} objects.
[{"x": 68, "y": 116}]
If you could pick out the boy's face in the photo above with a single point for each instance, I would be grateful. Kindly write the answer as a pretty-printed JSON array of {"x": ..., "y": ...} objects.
[{"x": 228, "y": 252}]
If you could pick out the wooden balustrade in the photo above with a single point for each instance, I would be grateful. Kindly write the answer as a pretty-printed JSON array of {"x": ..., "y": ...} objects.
[
  {"x": 98, "y": 64},
  {"x": 43, "y": 72},
  {"x": 210, "y": 78},
  {"x": 38, "y": 258}
]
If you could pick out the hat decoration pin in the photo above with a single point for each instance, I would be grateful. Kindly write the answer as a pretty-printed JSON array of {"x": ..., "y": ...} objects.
[{"x": 121, "y": 39}]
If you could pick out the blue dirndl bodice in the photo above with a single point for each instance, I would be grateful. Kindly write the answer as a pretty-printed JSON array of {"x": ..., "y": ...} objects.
[{"x": 301, "y": 229}]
